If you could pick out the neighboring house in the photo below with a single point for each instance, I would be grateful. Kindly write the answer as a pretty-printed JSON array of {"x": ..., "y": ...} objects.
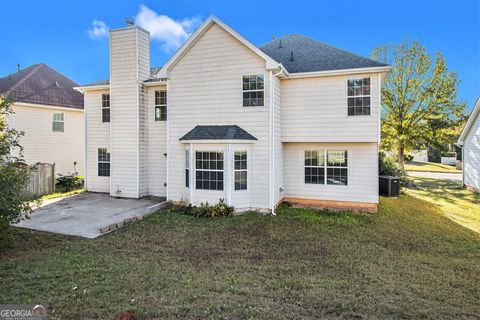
[
  {"x": 293, "y": 119},
  {"x": 419, "y": 155},
  {"x": 50, "y": 113},
  {"x": 470, "y": 142}
]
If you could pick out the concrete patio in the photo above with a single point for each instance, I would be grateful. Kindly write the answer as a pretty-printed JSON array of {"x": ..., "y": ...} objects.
[{"x": 89, "y": 215}]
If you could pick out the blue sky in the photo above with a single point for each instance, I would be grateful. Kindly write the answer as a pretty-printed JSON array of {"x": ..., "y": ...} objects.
[{"x": 57, "y": 32}]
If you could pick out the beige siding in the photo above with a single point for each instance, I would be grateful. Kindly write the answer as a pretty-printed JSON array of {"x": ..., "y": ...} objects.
[
  {"x": 362, "y": 173},
  {"x": 315, "y": 110},
  {"x": 98, "y": 136},
  {"x": 41, "y": 144},
  {"x": 278, "y": 147},
  {"x": 143, "y": 74},
  {"x": 157, "y": 147},
  {"x": 471, "y": 156},
  {"x": 205, "y": 87}
]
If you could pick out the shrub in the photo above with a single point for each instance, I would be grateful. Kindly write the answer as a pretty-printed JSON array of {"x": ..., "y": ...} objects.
[
  {"x": 408, "y": 157},
  {"x": 388, "y": 167},
  {"x": 70, "y": 181},
  {"x": 221, "y": 209}
]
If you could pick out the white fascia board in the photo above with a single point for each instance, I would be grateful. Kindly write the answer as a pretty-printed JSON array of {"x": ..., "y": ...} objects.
[
  {"x": 84, "y": 89},
  {"x": 164, "y": 71},
  {"x": 470, "y": 122},
  {"x": 45, "y": 106},
  {"x": 231, "y": 141},
  {"x": 155, "y": 84},
  {"x": 339, "y": 72}
]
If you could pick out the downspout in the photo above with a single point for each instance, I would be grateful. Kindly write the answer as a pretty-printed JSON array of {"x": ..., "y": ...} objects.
[
  {"x": 85, "y": 141},
  {"x": 168, "y": 139}
]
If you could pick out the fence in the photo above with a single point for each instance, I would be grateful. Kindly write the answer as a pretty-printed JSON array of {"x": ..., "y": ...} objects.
[{"x": 42, "y": 180}]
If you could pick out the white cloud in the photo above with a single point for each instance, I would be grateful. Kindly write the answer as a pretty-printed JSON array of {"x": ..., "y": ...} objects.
[
  {"x": 171, "y": 33},
  {"x": 99, "y": 30}
]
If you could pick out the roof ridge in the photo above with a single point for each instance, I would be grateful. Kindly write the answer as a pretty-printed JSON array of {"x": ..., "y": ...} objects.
[{"x": 25, "y": 77}]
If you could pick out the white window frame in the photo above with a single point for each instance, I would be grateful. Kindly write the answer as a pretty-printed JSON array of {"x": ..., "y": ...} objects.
[
  {"x": 326, "y": 167},
  {"x": 187, "y": 167},
  {"x": 104, "y": 162},
  {"x": 104, "y": 108},
  {"x": 241, "y": 170},
  {"x": 359, "y": 96},
  {"x": 254, "y": 90},
  {"x": 160, "y": 106},
  {"x": 56, "y": 121},
  {"x": 210, "y": 170}
]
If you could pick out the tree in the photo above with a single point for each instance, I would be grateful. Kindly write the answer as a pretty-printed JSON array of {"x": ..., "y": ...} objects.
[
  {"x": 14, "y": 172},
  {"x": 419, "y": 94}
]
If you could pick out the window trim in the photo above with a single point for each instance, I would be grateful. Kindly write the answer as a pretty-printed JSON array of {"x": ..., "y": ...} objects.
[
  {"x": 359, "y": 96},
  {"x": 103, "y": 162},
  {"x": 210, "y": 170},
  {"x": 160, "y": 106},
  {"x": 256, "y": 90},
  {"x": 57, "y": 121},
  {"x": 326, "y": 166},
  {"x": 104, "y": 108},
  {"x": 187, "y": 168},
  {"x": 240, "y": 170}
]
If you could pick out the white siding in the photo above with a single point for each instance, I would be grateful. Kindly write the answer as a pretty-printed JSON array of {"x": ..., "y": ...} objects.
[
  {"x": 315, "y": 110},
  {"x": 278, "y": 147},
  {"x": 157, "y": 147},
  {"x": 205, "y": 87},
  {"x": 98, "y": 136},
  {"x": 471, "y": 156},
  {"x": 362, "y": 173},
  {"x": 41, "y": 144}
]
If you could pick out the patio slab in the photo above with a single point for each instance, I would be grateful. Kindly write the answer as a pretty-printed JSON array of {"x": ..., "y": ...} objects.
[{"x": 88, "y": 215}]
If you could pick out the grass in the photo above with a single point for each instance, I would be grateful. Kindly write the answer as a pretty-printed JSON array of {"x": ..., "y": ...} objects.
[
  {"x": 430, "y": 167},
  {"x": 455, "y": 202},
  {"x": 61, "y": 194},
  {"x": 407, "y": 261}
]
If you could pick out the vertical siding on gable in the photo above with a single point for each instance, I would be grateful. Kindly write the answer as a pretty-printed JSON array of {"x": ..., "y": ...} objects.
[
  {"x": 315, "y": 110},
  {"x": 41, "y": 144},
  {"x": 205, "y": 87},
  {"x": 471, "y": 156},
  {"x": 98, "y": 136}
]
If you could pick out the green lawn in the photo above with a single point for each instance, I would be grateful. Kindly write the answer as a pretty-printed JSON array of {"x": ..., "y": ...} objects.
[
  {"x": 455, "y": 202},
  {"x": 407, "y": 261},
  {"x": 429, "y": 167}
]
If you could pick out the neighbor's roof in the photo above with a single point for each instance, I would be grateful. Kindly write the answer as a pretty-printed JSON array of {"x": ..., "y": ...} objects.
[
  {"x": 153, "y": 72},
  {"x": 471, "y": 120},
  {"x": 311, "y": 55},
  {"x": 221, "y": 132},
  {"x": 40, "y": 84}
]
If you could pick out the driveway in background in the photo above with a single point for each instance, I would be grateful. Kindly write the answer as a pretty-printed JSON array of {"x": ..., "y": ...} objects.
[{"x": 436, "y": 175}]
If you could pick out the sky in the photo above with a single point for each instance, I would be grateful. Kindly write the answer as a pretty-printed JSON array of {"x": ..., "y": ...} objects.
[{"x": 72, "y": 36}]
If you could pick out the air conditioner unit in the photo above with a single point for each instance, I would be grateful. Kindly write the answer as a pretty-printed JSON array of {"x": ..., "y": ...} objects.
[{"x": 389, "y": 186}]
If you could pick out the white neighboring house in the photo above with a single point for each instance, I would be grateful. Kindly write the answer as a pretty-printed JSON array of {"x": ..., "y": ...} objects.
[
  {"x": 50, "y": 113},
  {"x": 294, "y": 119},
  {"x": 470, "y": 142}
]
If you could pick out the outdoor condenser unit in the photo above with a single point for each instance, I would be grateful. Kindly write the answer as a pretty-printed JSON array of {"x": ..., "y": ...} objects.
[{"x": 389, "y": 186}]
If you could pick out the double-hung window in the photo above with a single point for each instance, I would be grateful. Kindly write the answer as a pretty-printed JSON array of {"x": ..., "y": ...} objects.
[
  {"x": 326, "y": 167},
  {"x": 187, "y": 168},
  {"x": 253, "y": 90},
  {"x": 160, "y": 105},
  {"x": 240, "y": 170},
  {"x": 103, "y": 162},
  {"x": 105, "y": 108},
  {"x": 58, "y": 122},
  {"x": 358, "y": 92},
  {"x": 209, "y": 170}
]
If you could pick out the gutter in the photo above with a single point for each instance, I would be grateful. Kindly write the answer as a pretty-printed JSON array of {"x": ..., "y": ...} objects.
[{"x": 328, "y": 73}]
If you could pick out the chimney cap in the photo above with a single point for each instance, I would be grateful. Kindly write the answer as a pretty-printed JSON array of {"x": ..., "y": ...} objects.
[{"x": 130, "y": 21}]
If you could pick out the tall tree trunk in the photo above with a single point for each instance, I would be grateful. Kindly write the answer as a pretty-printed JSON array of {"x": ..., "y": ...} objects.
[{"x": 401, "y": 157}]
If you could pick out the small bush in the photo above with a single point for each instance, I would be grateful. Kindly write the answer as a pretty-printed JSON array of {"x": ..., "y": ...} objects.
[
  {"x": 70, "y": 181},
  {"x": 388, "y": 167},
  {"x": 221, "y": 209},
  {"x": 408, "y": 157}
]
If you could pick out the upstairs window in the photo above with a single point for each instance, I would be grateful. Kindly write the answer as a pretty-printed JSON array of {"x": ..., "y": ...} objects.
[
  {"x": 358, "y": 92},
  {"x": 58, "y": 122},
  {"x": 253, "y": 90},
  {"x": 160, "y": 105},
  {"x": 105, "y": 108},
  {"x": 103, "y": 162},
  {"x": 187, "y": 168},
  {"x": 240, "y": 170},
  {"x": 326, "y": 167},
  {"x": 209, "y": 170}
]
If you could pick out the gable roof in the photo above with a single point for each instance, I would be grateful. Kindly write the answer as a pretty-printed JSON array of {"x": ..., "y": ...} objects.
[
  {"x": 163, "y": 73},
  {"x": 471, "y": 120},
  {"x": 40, "y": 84},
  {"x": 219, "y": 132},
  {"x": 311, "y": 55}
]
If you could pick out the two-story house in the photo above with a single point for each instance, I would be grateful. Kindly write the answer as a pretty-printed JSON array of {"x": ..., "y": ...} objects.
[{"x": 293, "y": 119}]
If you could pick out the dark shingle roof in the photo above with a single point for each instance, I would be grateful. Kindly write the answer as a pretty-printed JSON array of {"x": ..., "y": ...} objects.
[
  {"x": 225, "y": 132},
  {"x": 153, "y": 72},
  {"x": 40, "y": 84},
  {"x": 311, "y": 55}
]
